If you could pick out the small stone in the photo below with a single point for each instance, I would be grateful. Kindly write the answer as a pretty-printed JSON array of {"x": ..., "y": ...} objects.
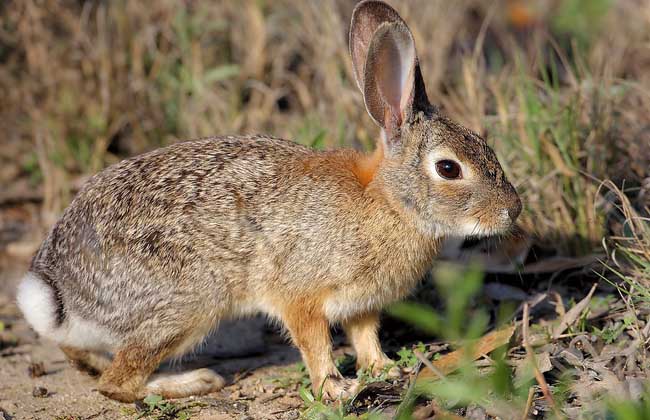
[
  {"x": 36, "y": 370},
  {"x": 40, "y": 392}
]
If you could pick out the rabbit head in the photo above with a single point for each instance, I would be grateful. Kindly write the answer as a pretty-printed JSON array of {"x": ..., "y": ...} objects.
[{"x": 435, "y": 172}]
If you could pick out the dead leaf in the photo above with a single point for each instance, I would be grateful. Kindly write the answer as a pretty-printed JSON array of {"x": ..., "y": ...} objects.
[
  {"x": 524, "y": 369},
  {"x": 555, "y": 264},
  {"x": 452, "y": 361},
  {"x": 572, "y": 316}
]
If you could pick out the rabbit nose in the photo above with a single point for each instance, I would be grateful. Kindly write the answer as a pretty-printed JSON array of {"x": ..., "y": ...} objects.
[{"x": 515, "y": 208}]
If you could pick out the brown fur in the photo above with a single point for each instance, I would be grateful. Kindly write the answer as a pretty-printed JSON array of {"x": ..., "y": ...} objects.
[
  {"x": 90, "y": 362},
  {"x": 125, "y": 378},
  {"x": 362, "y": 332},
  {"x": 366, "y": 166},
  {"x": 310, "y": 332}
]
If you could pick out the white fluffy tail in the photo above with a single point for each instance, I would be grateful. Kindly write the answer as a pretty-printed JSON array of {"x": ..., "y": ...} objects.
[
  {"x": 40, "y": 307},
  {"x": 37, "y": 302}
]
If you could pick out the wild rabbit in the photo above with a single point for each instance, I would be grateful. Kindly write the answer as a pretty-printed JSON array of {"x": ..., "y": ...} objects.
[{"x": 154, "y": 251}]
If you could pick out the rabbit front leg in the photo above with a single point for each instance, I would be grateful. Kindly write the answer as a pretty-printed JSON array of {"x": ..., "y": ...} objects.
[
  {"x": 310, "y": 332},
  {"x": 362, "y": 331}
]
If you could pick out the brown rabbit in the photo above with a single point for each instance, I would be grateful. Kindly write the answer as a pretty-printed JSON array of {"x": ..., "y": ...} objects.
[{"x": 154, "y": 251}]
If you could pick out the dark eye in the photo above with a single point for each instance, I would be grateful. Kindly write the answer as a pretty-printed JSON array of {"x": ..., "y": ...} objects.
[{"x": 448, "y": 169}]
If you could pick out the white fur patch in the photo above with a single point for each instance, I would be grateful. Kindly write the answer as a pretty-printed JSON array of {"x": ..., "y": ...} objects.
[
  {"x": 36, "y": 300},
  {"x": 178, "y": 385},
  {"x": 83, "y": 334},
  {"x": 341, "y": 307}
]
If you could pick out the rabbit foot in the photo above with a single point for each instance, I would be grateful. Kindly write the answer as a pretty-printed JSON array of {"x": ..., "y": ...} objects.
[
  {"x": 179, "y": 385},
  {"x": 118, "y": 393},
  {"x": 339, "y": 389},
  {"x": 385, "y": 366}
]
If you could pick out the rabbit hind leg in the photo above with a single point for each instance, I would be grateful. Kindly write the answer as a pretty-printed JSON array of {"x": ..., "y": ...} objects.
[
  {"x": 91, "y": 362},
  {"x": 124, "y": 380}
]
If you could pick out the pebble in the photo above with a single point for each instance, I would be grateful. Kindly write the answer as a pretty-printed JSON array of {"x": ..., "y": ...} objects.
[
  {"x": 36, "y": 370},
  {"x": 39, "y": 392}
]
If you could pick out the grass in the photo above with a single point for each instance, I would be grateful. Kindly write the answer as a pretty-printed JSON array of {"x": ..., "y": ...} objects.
[
  {"x": 561, "y": 90},
  {"x": 157, "y": 408}
]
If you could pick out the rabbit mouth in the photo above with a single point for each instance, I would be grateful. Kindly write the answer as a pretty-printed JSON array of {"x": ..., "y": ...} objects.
[{"x": 478, "y": 228}]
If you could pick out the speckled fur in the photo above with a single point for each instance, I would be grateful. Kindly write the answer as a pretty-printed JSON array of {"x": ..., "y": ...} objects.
[{"x": 154, "y": 251}]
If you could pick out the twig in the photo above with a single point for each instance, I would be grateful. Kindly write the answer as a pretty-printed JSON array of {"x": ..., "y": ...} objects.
[
  {"x": 538, "y": 375},
  {"x": 574, "y": 313},
  {"x": 426, "y": 362},
  {"x": 529, "y": 403}
]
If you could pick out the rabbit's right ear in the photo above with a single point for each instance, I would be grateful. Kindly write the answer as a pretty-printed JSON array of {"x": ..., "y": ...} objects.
[{"x": 386, "y": 65}]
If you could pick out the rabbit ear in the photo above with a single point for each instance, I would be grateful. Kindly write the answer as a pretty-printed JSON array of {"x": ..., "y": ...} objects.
[
  {"x": 386, "y": 65},
  {"x": 366, "y": 18}
]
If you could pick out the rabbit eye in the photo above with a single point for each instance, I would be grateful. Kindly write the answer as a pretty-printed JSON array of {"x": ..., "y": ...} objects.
[{"x": 448, "y": 169}]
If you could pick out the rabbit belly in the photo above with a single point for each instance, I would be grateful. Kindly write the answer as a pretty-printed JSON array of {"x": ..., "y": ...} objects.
[
  {"x": 350, "y": 303},
  {"x": 37, "y": 301}
]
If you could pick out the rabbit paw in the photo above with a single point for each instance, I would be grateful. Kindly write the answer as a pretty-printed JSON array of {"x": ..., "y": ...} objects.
[
  {"x": 339, "y": 389},
  {"x": 384, "y": 366},
  {"x": 392, "y": 371}
]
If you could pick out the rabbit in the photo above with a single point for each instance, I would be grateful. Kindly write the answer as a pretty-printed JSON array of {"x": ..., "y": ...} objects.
[{"x": 155, "y": 250}]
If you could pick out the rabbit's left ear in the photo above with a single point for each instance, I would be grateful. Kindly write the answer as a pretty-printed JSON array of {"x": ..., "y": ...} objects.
[{"x": 385, "y": 65}]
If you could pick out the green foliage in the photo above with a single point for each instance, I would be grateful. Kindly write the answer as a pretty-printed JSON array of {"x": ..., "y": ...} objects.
[
  {"x": 311, "y": 132},
  {"x": 296, "y": 373},
  {"x": 407, "y": 357},
  {"x": 317, "y": 410},
  {"x": 159, "y": 409},
  {"x": 457, "y": 288},
  {"x": 459, "y": 323},
  {"x": 609, "y": 334},
  {"x": 580, "y": 19},
  {"x": 630, "y": 410},
  {"x": 31, "y": 166},
  {"x": 562, "y": 139}
]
